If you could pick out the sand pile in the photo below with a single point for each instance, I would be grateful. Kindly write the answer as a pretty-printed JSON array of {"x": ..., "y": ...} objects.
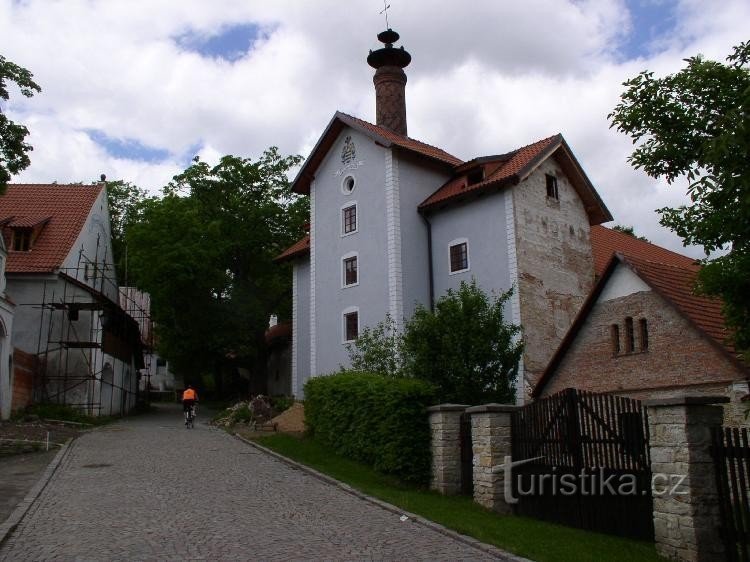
[{"x": 291, "y": 420}]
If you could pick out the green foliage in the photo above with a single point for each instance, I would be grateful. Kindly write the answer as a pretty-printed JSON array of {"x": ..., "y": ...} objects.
[
  {"x": 13, "y": 148},
  {"x": 281, "y": 403},
  {"x": 465, "y": 348},
  {"x": 695, "y": 124},
  {"x": 629, "y": 230},
  {"x": 378, "y": 349},
  {"x": 61, "y": 412},
  {"x": 377, "y": 420},
  {"x": 205, "y": 253},
  {"x": 126, "y": 204}
]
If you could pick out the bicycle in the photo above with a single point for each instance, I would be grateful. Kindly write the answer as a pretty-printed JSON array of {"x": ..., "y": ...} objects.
[{"x": 190, "y": 417}]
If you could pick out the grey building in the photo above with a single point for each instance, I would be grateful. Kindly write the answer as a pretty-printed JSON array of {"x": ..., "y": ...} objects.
[{"x": 395, "y": 222}]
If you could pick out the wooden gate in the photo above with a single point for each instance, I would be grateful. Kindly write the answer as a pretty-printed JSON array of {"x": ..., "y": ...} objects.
[
  {"x": 588, "y": 463},
  {"x": 731, "y": 452}
]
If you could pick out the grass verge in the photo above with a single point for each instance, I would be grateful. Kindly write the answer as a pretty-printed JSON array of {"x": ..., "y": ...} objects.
[
  {"x": 58, "y": 412},
  {"x": 527, "y": 537}
]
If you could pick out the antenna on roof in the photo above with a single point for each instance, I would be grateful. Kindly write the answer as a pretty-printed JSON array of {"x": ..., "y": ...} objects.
[{"x": 385, "y": 11}]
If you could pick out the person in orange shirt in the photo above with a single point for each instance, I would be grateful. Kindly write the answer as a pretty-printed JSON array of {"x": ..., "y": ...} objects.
[{"x": 189, "y": 398}]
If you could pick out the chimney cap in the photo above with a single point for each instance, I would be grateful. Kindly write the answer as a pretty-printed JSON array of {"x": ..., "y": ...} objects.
[{"x": 388, "y": 55}]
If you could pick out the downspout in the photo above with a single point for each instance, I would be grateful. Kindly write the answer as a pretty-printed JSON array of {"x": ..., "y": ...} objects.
[{"x": 429, "y": 260}]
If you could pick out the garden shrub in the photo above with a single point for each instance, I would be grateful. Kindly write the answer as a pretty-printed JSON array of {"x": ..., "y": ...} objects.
[{"x": 377, "y": 420}]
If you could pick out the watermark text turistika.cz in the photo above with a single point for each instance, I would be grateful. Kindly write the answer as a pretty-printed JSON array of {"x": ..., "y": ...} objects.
[{"x": 585, "y": 483}]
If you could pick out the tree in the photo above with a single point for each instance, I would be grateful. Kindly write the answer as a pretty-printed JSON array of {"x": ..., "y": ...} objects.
[
  {"x": 205, "y": 253},
  {"x": 629, "y": 230},
  {"x": 126, "y": 204},
  {"x": 465, "y": 347},
  {"x": 695, "y": 125},
  {"x": 13, "y": 148}
]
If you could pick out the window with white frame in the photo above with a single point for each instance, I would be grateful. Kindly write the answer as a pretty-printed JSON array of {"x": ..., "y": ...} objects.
[
  {"x": 350, "y": 324},
  {"x": 458, "y": 255},
  {"x": 349, "y": 219},
  {"x": 350, "y": 270}
]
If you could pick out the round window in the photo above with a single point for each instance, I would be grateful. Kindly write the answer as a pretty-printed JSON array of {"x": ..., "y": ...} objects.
[{"x": 347, "y": 186}]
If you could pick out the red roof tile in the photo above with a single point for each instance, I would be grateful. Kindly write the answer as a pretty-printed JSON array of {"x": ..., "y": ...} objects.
[
  {"x": 299, "y": 248},
  {"x": 282, "y": 330},
  {"x": 500, "y": 170},
  {"x": 65, "y": 206},
  {"x": 404, "y": 142},
  {"x": 605, "y": 242},
  {"x": 675, "y": 283}
]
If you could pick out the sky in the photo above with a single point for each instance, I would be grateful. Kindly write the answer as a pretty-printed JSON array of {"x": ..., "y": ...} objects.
[{"x": 134, "y": 89}]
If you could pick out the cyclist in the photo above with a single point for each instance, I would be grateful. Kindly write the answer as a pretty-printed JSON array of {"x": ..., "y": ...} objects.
[{"x": 189, "y": 398}]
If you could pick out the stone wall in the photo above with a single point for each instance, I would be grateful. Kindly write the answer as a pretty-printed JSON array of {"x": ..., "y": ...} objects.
[
  {"x": 686, "y": 512},
  {"x": 679, "y": 359},
  {"x": 445, "y": 425},
  {"x": 555, "y": 264}
]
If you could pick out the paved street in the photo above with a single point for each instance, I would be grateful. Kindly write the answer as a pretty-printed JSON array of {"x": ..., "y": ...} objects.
[{"x": 148, "y": 489}]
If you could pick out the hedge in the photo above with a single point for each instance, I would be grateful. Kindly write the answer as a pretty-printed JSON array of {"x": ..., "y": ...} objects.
[{"x": 377, "y": 420}]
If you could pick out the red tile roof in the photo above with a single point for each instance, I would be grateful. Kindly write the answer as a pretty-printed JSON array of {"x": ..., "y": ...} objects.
[
  {"x": 504, "y": 169},
  {"x": 282, "y": 330},
  {"x": 404, "y": 142},
  {"x": 299, "y": 248},
  {"x": 27, "y": 205},
  {"x": 675, "y": 283},
  {"x": 605, "y": 242}
]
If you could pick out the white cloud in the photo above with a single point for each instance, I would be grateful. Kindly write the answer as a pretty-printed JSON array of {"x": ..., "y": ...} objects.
[{"x": 486, "y": 77}]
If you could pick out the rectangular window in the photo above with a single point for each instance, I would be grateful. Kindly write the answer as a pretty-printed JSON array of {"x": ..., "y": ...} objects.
[
  {"x": 552, "y": 192},
  {"x": 629, "y": 336},
  {"x": 644, "y": 334},
  {"x": 21, "y": 239},
  {"x": 349, "y": 219},
  {"x": 351, "y": 326},
  {"x": 614, "y": 331},
  {"x": 459, "y": 257},
  {"x": 350, "y": 271}
]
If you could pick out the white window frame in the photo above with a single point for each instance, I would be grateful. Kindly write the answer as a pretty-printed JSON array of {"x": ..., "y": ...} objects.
[
  {"x": 343, "y": 269},
  {"x": 346, "y": 311},
  {"x": 456, "y": 242},
  {"x": 341, "y": 216}
]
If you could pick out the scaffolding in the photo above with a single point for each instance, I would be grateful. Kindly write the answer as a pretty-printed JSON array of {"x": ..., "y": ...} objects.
[{"x": 90, "y": 345}]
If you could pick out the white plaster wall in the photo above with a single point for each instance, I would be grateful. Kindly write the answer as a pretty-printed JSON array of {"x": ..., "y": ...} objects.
[
  {"x": 6, "y": 350},
  {"x": 622, "y": 283},
  {"x": 371, "y": 295}
]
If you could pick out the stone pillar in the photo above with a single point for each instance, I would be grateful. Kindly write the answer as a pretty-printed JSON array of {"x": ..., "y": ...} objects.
[
  {"x": 686, "y": 518},
  {"x": 445, "y": 424},
  {"x": 491, "y": 443}
]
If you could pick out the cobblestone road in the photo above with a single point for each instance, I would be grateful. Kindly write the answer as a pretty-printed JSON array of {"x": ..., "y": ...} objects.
[{"x": 148, "y": 489}]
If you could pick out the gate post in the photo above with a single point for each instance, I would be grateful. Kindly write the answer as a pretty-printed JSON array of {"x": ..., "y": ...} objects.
[
  {"x": 445, "y": 425},
  {"x": 491, "y": 442},
  {"x": 686, "y": 518}
]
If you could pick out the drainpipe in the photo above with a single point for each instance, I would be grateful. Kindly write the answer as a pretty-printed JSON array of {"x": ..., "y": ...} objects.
[{"x": 429, "y": 259}]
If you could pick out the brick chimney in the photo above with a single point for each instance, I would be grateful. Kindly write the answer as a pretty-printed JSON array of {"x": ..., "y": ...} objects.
[{"x": 390, "y": 82}]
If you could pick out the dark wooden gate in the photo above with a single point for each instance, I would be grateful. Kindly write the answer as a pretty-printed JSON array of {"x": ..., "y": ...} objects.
[
  {"x": 731, "y": 452},
  {"x": 590, "y": 467},
  {"x": 467, "y": 456}
]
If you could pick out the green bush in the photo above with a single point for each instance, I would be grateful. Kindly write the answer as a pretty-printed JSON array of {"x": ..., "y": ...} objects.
[
  {"x": 281, "y": 403},
  {"x": 377, "y": 420}
]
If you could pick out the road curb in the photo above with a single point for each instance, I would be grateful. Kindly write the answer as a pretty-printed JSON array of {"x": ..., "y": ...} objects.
[
  {"x": 15, "y": 518},
  {"x": 479, "y": 545}
]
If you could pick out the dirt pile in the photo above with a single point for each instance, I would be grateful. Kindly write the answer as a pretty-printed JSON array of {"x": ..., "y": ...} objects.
[{"x": 291, "y": 420}]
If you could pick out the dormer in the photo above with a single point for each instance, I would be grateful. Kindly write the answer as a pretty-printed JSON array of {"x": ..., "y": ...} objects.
[{"x": 21, "y": 233}]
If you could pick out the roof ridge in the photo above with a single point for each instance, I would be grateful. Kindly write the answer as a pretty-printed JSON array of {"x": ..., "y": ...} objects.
[
  {"x": 633, "y": 257},
  {"x": 394, "y": 133}
]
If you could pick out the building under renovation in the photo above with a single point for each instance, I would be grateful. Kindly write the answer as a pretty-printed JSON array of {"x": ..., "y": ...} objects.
[{"x": 61, "y": 276}]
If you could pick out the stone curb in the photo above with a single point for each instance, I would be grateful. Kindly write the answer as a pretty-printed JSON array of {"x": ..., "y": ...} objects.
[
  {"x": 486, "y": 548},
  {"x": 15, "y": 518}
]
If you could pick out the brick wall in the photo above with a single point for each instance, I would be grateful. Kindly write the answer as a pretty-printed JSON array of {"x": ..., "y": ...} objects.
[
  {"x": 679, "y": 358},
  {"x": 24, "y": 368},
  {"x": 556, "y": 269}
]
